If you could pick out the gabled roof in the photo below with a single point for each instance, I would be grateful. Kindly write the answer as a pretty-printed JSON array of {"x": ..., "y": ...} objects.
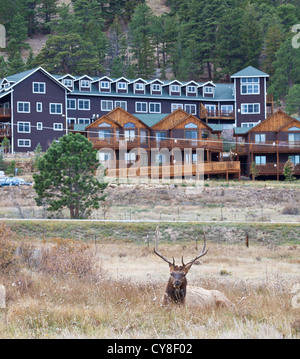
[
  {"x": 171, "y": 82},
  {"x": 250, "y": 72},
  {"x": 207, "y": 83},
  {"x": 192, "y": 118},
  {"x": 102, "y": 78},
  {"x": 17, "y": 78},
  {"x": 290, "y": 124},
  {"x": 151, "y": 119}
]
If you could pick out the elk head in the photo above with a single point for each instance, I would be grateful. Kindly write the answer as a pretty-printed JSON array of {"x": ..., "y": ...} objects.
[{"x": 176, "y": 288}]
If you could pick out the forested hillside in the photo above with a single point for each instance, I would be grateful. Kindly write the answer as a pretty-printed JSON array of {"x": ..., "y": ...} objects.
[{"x": 195, "y": 39}]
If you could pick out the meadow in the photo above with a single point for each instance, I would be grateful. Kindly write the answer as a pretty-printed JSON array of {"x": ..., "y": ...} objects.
[{"x": 65, "y": 282}]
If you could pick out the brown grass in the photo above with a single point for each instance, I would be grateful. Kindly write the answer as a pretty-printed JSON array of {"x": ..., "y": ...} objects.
[{"x": 120, "y": 298}]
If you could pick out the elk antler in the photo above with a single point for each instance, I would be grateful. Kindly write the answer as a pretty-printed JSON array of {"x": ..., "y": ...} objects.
[
  {"x": 203, "y": 252},
  {"x": 156, "y": 248}
]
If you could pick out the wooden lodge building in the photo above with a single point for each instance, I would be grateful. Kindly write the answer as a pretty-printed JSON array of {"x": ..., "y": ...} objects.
[
  {"x": 269, "y": 145},
  {"x": 37, "y": 107}
]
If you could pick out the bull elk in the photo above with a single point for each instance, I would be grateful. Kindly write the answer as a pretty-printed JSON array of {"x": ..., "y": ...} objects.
[{"x": 176, "y": 289}]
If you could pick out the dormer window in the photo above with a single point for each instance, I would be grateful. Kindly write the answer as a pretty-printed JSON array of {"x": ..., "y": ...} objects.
[
  {"x": 175, "y": 88},
  {"x": 85, "y": 84},
  {"x": 122, "y": 86},
  {"x": 104, "y": 85},
  {"x": 139, "y": 87},
  {"x": 68, "y": 82},
  {"x": 208, "y": 90},
  {"x": 191, "y": 89},
  {"x": 156, "y": 87}
]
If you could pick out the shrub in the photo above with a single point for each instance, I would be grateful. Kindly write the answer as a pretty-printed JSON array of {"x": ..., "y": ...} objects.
[
  {"x": 291, "y": 210},
  {"x": 69, "y": 258},
  {"x": 8, "y": 259}
]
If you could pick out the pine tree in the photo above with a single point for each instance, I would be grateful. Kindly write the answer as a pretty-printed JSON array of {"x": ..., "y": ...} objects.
[
  {"x": 66, "y": 177},
  {"x": 254, "y": 171},
  {"x": 289, "y": 170},
  {"x": 142, "y": 47},
  {"x": 293, "y": 101}
]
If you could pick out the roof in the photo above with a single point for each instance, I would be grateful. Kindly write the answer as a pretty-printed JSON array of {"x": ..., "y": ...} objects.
[
  {"x": 241, "y": 131},
  {"x": 215, "y": 127},
  {"x": 250, "y": 72},
  {"x": 151, "y": 119},
  {"x": 80, "y": 127}
]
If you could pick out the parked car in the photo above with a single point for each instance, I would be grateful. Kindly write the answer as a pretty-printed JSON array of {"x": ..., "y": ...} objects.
[{"x": 13, "y": 181}]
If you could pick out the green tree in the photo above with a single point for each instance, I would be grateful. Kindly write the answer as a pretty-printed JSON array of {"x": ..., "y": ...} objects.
[
  {"x": 69, "y": 54},
  {"x": 142, "y": 42},
  {"x": 293, "y": 101},
  {"x": 66, "y": 177},
  {"x": 289, "y": 170},
  {"x": 286, "y": 69},
  {"x": 254, "y": 171}
]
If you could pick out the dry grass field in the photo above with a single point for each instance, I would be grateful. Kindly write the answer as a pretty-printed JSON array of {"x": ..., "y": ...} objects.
[{"x": 74, "y": 289}]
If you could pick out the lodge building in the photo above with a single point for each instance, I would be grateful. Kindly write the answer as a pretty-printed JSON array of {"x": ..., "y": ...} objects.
[{"x": 37, "y": 107}]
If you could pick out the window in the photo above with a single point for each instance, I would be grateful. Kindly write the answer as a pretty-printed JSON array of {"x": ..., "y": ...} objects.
[
  {"x": 176, "y": 106},
  {"x": 260, "y": 160},
  {"x": 39, "y": 126},
  {"x": 23, "y": 107},
  {"x": 191, "y": 89},
  {"x": 161, "y": 136},
  {"x": 129, "y": 135},
  {"x": 84, "y": 104},
  {"x": 191, "y": 109},
  {"x": 295, "y": 159},
  {"x": 250, "y": 108},
  {"x": 156, "y": 87},
  {"x": 56, "y": 108},
  {"x": 129, "y": 125},
  {"x": 85, "y": 84},
  {"x": 122, "y": 104},
  {"x": 250, "y": 86},
  {"x": 104, "y": 135},
  {"x": 227, "y": 109},
  {"x": 71, "y": 104},
  {"x": 84, "y": 121},
  {"x": 191, "y": 125},
  {"x": 39, "y": 107},
  {"x": 154, "y": 107},
  {"x": 106, "y": 105},
  {"x": 211, "y": 110},
  {"x": 24, "y": 127},
  {"x": 24, "y": 143},
  {"x": 104, "y": 85},
  {"x": 71, "y": 121},
  {"x": 38, "y": 87},
  {"x": 141, "y": 107},
  {"x": 139, "y": 87},
  {"x": 122, "y": 86},
  {"x": 130, "y": 157},
  {"x": 208, "y": 90},
  {"x": 260, "y": 138},
  {"x": 104, "y": 124},
  {"x": 175, "y": 88},
  {"x": 249, "y": 124},
  {"x": 58, "y": 127},
  {"x": 104, "y": 156},
  {"x": 68, "y": 82},
  {"x": 144, "y": 136},
  {"x": 294, "y": 137}
]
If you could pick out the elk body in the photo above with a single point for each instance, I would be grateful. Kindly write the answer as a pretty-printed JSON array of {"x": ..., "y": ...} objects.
[{"x": 176, "y": 289}]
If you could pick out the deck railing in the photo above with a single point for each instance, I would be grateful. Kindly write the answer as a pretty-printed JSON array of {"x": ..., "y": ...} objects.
[
  {"x": 5, "y": 130},
  {"x": 5, "y": 112},
  {"x": 268, "y": 147},
  {"x": 271, "y": 169}
]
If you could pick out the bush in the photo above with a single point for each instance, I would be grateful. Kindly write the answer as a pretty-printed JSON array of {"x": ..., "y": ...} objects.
[
  {"x": 291, "y": 210},
  {"x": 8, "y": 259},
  {"x": 69, "y": 258}
]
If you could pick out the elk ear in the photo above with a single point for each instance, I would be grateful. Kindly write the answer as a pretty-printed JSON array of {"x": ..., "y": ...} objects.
[
  {"x": 187, "y": 267},
  {"x": 172, "y": 267}
]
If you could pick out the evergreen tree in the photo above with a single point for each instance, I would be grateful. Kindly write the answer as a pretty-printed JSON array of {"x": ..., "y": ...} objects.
[
  {"x": 69, "y": 54},
  {"x": 289, "y": 171},
  {"x": 66, "y": 177},
  {"x": 142, "y": 46},
  {"x": 293, "y": 101}
]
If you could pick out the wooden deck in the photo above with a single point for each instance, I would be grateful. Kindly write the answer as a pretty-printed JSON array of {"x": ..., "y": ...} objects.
[
  {"x": 268, "y": 147},
  {"x": 271, "y": 169},
  {"x": 176, "y": 171}
]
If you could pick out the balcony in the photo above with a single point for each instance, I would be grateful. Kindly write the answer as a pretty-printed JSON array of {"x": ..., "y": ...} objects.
[
  {"x": 270, "y": 169},
  {"x": 5, "y": 112},
  {"x": 268, "y": 147},
  {"x": 5, "y": 130},
  {"x": 209, "y": 144},
  {"x": 216, "y": 114}
]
